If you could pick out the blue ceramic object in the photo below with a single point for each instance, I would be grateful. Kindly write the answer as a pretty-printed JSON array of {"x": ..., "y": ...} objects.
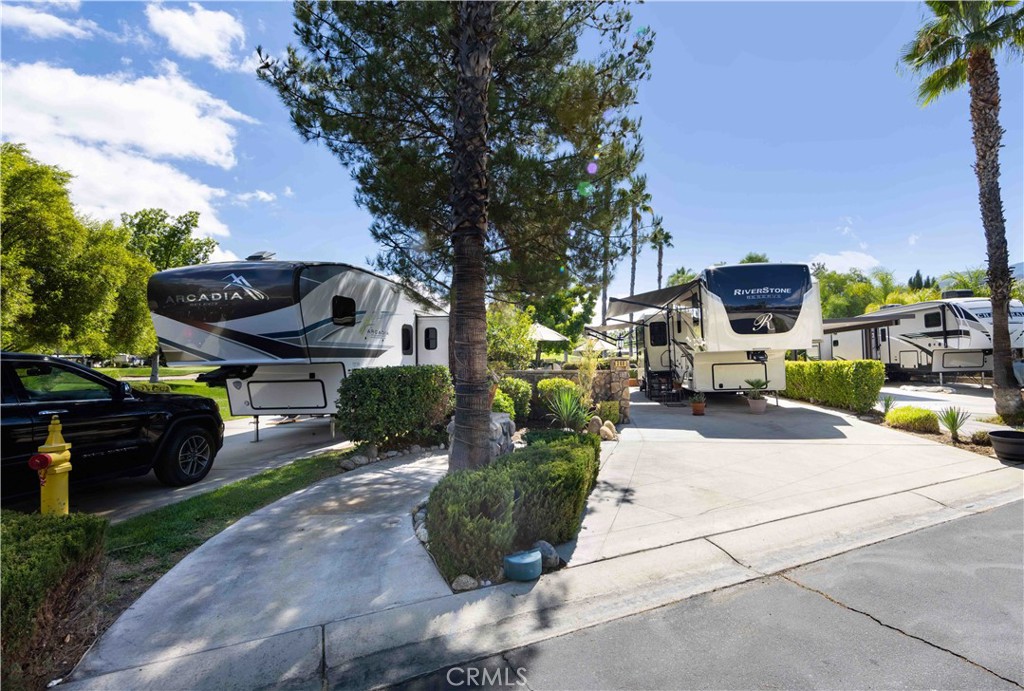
[{"x": 523, "y": 566}]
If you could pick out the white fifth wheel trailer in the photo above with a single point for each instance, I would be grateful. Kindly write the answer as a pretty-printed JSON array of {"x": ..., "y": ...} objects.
[
  {"x": 731, "y": 324},
  {"x": 951, "y": 335},
  {"x": 284, "y": 334}
]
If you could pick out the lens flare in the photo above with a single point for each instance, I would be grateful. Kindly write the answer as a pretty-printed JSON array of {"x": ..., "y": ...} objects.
[
  {"x": 592, "y": 168},
  {"x": 643, "y": 31},
  {"x": 584, "y": 189}
]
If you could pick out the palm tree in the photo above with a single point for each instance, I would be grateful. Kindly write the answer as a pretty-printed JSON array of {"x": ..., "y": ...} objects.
[
  {"x": 955, "y": 47},
  {"x": 755, "y": 258},
  {"x": 681, "y": 275},
  {"x": 474, "y": 42},
  {"x": 969, "y": 279},
  {"x": 640, "y": 202},
  {"x": 659, "y": 239}
]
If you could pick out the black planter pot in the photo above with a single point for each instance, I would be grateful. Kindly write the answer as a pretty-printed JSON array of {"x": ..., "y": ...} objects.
[{"x": 1008, "y": 444}]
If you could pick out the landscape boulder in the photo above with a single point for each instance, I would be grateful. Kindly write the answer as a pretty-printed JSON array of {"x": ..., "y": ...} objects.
[
  {"x": 464, "y": 583},
  {"x": 594, "y": 426}
]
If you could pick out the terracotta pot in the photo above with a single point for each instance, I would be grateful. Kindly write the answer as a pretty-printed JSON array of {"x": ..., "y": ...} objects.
[
  {"x": 633, "y": 382},
  {"x": 758, "y": 405},
  {"x": 1008, "y": 444},
  {"x": 697, "y": 408}
]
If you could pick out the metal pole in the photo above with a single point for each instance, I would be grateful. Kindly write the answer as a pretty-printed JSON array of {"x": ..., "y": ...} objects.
[{"x": 256, "y": 421}]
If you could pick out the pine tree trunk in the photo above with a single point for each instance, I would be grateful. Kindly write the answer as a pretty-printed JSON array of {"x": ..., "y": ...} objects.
[
  {"x": 474, "y": 42},
  {"x": 984, "y": 85},
  {"x": 605, "y": 274}
]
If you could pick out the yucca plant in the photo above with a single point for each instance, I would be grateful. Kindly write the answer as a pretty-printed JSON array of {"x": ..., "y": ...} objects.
[
  {"x": 757, "y": 387},
  {"x": 888, "y": 403},
  {"x": 568, "y": 409},
  {"x": 953, "y": 419}
]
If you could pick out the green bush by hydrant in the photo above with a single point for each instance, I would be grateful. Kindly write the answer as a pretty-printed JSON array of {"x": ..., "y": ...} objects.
[
  {"x": 42, "y": 557},
  {"x": 383, "y": 405},
  {"x": 473, "y": 521},
  {"x": 853, "y": 385}
]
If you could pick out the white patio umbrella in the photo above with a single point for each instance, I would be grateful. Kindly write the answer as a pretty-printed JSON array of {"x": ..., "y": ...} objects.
[{"x": 542, "y": 334}]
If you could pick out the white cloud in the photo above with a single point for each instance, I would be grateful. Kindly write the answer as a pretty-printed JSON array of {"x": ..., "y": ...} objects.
[
  {"x": 43, "y": 25},
  {"x": 115, "y": 132},
  {"x": 255, "y": 195},
  {"x": 222, "y": 255},
  {"x": 844, "y": 261},
  {"x": 162, "y": 116},
  {"x": 912, "y": 240},
  {"x": 288, "y": 191},
  {"x": 199, "y": 33}
]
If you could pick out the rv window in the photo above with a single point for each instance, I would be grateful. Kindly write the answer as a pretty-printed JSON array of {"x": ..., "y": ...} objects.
[
  {"x": 343, "y": 311},
  {"x": 406, "y": 339},
  {"x": 835, "y": 343},
  {"x": 932, "y": 320},
  {"x": 882, "y": 331},
  {"x": 430, "y": 338},
  {"x": 659, "y": 334}
]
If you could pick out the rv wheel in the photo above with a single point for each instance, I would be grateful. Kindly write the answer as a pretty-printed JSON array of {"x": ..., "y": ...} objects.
[{"x": 187, "y": 459}]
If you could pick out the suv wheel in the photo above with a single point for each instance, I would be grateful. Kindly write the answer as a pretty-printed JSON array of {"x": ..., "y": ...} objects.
[{"x": 187, "y": 459}]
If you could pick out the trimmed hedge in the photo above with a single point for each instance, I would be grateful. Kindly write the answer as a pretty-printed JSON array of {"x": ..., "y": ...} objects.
[
  {"x": 503, "y": 404},
  {"x": 520, "y": 391},
  {"x": 391, "y": 404},
  {"x": 913, "y": 419},
  {"x": 40, "y": 554},
  {"x": 546, "y": 389},
  {"x": 469, "y": 520},
  {"x": 151, "y": 387},
  {"x": 853, "y": 385},
  {"x": 609, "y": 410},
  {"x": 473, "y": 521}
]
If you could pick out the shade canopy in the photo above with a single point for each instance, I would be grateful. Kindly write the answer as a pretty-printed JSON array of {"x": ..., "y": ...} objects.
[
  {"x": 542, "y": 334},
  {"x": 600, "y": 347},
  {"x": 833, "y": 326},
  {"x": 655, "y": 299}
]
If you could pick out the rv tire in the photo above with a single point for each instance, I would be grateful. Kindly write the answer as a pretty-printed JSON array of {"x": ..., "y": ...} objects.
[{"x": 187, "y": 458}]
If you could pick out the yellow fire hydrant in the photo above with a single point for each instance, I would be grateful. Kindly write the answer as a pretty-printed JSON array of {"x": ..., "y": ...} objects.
[{"x": 53, "y": 463}]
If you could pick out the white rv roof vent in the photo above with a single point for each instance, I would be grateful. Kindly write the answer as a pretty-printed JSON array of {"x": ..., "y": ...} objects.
[
  {"x": 959, "y": 293},
  {"x": 260, "y": 256}
]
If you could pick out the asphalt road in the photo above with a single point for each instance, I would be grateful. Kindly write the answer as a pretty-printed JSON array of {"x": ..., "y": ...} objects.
[
  {"x": 941, "y": 608},
  {"x": 280, "y": 443}
]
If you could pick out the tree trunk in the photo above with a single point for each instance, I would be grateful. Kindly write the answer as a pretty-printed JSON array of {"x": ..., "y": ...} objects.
[
  {"x": 606, "y": 259},
  {"x": 984, "y": 85},
  {"x": 661, "y": 254},
  {"x": 474, "y": 43},
  {"x": 154, "y": 372},
  {"x": 635, "y": 230}
]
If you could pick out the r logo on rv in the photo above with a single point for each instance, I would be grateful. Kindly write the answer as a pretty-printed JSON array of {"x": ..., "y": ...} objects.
[{"x": 764, "y": 322}]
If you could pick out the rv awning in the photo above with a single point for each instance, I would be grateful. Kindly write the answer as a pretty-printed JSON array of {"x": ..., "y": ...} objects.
[
  {"x": 655, "y": 299},
  {"x": 833, "y": 326}
]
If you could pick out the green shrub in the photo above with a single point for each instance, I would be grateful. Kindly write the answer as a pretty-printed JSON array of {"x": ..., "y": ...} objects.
[
  {"x": 560, "y": 437},
  {"x": 953, "y": 419},
  {"x": 151, "y": 387},
  {"x": 546, "y": 388},
  {"x": 853, "y": 385},
  {"x": 520, "y": 392},
  {"x": 503, "y": 404},
  {"x": 980, "y": 438},
  {"x": 469, "y": 521},
  {"x": 633, "y": 373},
  {"x": 40, "y": 554},
  {"x": 609, "y": 410},
  {"x": 568, "y": 409},
  {"x": 913, "y": 419},
  {"x": 552, "y": 482},
  {"x": 390, "y": 404}
]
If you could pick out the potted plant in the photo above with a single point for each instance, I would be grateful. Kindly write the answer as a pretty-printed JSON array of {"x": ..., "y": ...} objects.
[
  {"x": 755, "y": 396},
  {"x": 697, "y": 402}
]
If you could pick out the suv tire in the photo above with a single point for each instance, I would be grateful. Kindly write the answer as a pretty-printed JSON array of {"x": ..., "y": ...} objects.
[{"x": 187, "y": 458}]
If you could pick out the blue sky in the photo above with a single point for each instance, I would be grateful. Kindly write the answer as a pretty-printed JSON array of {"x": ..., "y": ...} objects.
[{"x": 783, "y": 128}]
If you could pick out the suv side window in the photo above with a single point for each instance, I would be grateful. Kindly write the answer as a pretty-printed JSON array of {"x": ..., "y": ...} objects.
[{"x": 50, "y": 382}]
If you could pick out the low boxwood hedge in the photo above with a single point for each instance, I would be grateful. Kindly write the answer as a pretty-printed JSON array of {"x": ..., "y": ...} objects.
[
  {"x": 472, "y": 520},
  {"x": 389, "y": 405},
  {"x": 151, "y": 387},
  {"x": 546, "y": 389},
  {"x": 42, "y": 558},
  {"x": 852, "y": 384},
  {"x": 913, "y": 419}
]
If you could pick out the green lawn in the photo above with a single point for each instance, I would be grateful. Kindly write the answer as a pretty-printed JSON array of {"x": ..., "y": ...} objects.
[{"x": 119, "y": 372}]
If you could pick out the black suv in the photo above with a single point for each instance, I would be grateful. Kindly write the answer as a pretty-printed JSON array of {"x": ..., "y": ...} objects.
[{"x": 113, "y": 429}]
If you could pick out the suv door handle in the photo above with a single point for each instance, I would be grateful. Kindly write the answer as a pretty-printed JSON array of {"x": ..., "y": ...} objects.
[{"x": 51, "y": 412}]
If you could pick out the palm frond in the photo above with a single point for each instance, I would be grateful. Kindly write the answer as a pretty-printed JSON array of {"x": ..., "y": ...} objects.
[{"x": 941, "y": 81}]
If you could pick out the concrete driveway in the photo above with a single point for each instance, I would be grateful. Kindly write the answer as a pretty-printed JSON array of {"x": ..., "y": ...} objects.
[{"x": 674, "y": 476}]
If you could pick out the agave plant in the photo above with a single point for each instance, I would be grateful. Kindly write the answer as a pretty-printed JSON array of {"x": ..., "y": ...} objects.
[
  {"x": 953, "y": 419},
  {"x": 888, "y": 403},
  {"x": 757, "y": 387},
  {"x": 568, "y": 409}
]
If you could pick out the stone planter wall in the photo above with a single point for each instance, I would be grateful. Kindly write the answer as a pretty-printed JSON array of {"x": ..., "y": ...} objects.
[
  {"x": 502, "y": 429},
  {"x": 609, "y": 385}
]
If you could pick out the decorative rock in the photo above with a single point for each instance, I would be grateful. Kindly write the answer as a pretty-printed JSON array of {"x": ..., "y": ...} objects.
[
  {"x": 361, "y": 460},
  {"x": 464, "y": 583},
  {"x": 608, "y": 435},
  {"x": 390, "y": 454},
  {"x": 350, "y": 462},
  {"x": 422, "y": 535},
  {"x": 548, "y": 556},
  {"x": 594, "y": 426},
  {"x": 415, "y": 448},
  {"x": 370, "y": 450}
]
